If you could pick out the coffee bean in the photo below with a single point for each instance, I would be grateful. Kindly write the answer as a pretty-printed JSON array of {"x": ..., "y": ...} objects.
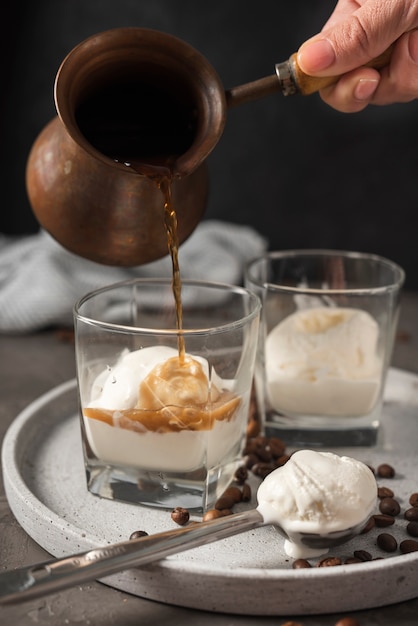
[
  {"x": 226, "y": 512},
  {"x": 263, "y": 452},
  {"x": 262, "y": 469},
  {"x": 370, "y": 524},
  {"x": 352, "y": 559},
  {"x": 301, "y": 564},
  {"x": 241, "y": 474},
  {"x": 138, "y": 533},
  {"x": 224, "y": 502},
  {"x": 329, "y": 561},
  {"x": 233, "y": 492},
  {"x": 282, "y": 460},
  {"x": 347, "y": 621},
  {"x": 180, "y": 515},
  {"x": 385, "y": 471},
  {"x": 411, "y": 514},
  {"x": 384, "y": 492},
  {"x": 251, "y": 460},
  {"x": 412, "y": 529},
  {"x": 258, "y": 446},
  {"x": 413, "y": 499},
  {"x": 408, "y": 545},
  {"x": 211, "y": 514},
  {"x": 382, "y": 521},
  {"x": 363, "y": 555},
  {"x": 246, "y": 493},
  {"x": 387, "y": 542},
  {"x": 277, "y": 446},
  {"x": 389, "y": 506}
]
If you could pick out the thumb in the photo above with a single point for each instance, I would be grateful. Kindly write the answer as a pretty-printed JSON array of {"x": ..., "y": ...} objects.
[{"x": 355, "y": 39}]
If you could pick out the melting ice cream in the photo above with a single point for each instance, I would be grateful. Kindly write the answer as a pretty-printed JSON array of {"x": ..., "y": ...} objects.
[
  {"x": 159, "y": 411},
  {"x": 324, "y": 361},
  {"x": 316, "y": 492}
]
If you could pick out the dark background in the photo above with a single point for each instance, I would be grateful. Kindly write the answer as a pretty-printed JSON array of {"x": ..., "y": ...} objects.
[{"x": 299, "y": 172}]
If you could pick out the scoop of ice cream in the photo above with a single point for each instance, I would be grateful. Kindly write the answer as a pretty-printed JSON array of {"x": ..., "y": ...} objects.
[
  {"x": 316, "y": 492},
  {"x": 153, "y": 377},
  {"x": 315, "y": 356},
  {"x": 154, "y": 391}
]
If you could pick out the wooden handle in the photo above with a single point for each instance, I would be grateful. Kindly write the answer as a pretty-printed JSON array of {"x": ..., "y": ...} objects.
[
  {"x": 307, "y": 84},
  {"x": 289, "y": 79}
]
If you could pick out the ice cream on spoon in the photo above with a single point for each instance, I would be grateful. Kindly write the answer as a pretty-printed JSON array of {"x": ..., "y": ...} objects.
[{"x": 317, "y": 496}]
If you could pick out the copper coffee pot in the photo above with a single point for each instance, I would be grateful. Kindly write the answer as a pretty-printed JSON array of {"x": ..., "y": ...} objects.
[{"x": 132, "y": 95}]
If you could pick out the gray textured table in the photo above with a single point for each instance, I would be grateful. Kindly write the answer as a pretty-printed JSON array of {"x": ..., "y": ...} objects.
[{"x": 30, "y": 366}]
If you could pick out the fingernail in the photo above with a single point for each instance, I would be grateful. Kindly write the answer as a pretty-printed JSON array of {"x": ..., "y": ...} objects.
[
  {"x": 365, "y": 88},
  {"x": 413, "y": 45},
  {"x": 316, "y": 56}
]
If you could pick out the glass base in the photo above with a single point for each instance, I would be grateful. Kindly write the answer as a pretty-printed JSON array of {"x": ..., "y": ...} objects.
[
  {"x": 196, "y": 491},
  {"x": 316, "y": 432}
]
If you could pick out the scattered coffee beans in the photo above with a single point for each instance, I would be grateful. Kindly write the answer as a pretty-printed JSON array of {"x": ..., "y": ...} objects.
[
  {"x": 370, "y": 524},
  {"x": 329, "y": 561},
  {"x": 385, "y": 471},
  {"x": 413, "y": 499},
  {"x": 412, "y": 529},
  {"x": 387, "y": 542},
  {"x": 224, "y": 502},
  {"x": 347, "y": 621},
  {"x": 211, "y": 514},
  {"x": 301, "y": 564},
  {"x": 408, "y": 545},
  {"x": 180, "y": 515},
  {"x": 352, "y": 559},
  {"x": 362, "y": 555},
  {"x": 246, "y": 493},
  {"x": 411, "y": 514},
  {"x": 389, "y": 506},
  {"x": 262, "y": 469},
  {"x": 234, "y": 493},
  {"x": 241, "y": 475},
  {"x": 382, "y": 521},
  {"x": 384, "y": 492},
  {"x": 138, "y": 533}
]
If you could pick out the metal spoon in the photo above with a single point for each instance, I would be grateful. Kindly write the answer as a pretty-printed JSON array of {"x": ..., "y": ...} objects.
[{"x": 35, "y": 581}]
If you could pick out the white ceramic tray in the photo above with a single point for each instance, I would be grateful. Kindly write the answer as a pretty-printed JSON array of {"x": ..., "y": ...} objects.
[{"x": 246, "y": 574}]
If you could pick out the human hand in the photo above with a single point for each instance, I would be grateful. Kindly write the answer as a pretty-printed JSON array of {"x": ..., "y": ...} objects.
[{"x": 357, "y": 32}]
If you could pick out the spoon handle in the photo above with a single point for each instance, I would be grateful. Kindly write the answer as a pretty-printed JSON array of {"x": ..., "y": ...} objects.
[
  {"x": 290, "y": 80},
  {"x": 38, "y": 580}
]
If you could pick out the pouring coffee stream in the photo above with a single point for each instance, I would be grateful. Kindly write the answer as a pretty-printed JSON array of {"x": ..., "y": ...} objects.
[{"x": 143, "y": 97}]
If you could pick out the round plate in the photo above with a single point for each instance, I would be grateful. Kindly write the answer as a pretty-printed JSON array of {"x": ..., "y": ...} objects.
[{"x": 246, "y": 574}]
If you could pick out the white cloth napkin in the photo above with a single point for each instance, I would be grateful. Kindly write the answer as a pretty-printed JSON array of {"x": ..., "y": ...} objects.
[{"x": 40, "y": 281}]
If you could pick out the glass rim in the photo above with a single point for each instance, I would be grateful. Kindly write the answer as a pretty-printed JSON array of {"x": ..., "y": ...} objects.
[
  {"x": 396, "y": 283},
  {"x": 173, "y": 332}
]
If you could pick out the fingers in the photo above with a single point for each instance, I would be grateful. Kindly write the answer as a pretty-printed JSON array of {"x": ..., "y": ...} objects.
[
  {"x": 396, "y": 83},
  {"x": 351, "y": 40},
  {"x": 399, "y": 82},
  {"x": 353, "y": 92}
]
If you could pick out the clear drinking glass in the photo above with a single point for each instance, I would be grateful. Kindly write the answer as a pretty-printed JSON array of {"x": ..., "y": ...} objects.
[
  {"x": 329, "y": 319},
  {"x": 164, "y": 412}
]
